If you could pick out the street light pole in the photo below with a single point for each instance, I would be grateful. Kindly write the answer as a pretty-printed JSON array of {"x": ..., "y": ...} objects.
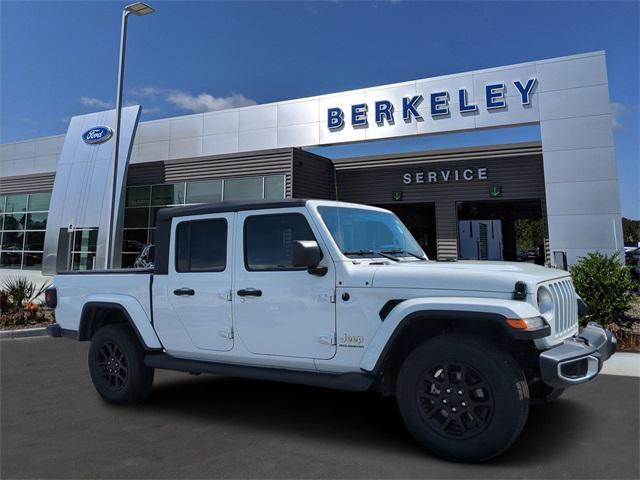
[{"x": 137, "y": 9}]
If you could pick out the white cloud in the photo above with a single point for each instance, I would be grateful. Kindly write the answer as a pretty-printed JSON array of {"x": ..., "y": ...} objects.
[
  {"x": 205, "y": 102},
  {"x": 617, "y": 111},
  {"x": 151, "y": 110},
  {"x": 150, "y": 95},
  {"x": 146, "y": 91},
  {"x": 95, "y": 103}
]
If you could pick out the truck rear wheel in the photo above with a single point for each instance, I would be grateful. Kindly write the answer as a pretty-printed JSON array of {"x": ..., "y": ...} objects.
[
  {"x": 462, "y": 398},
  {"x": 116, "y": 364}
]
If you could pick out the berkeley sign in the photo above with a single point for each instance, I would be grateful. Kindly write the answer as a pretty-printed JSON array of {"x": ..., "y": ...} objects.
[{"x": 384, "y": 110}]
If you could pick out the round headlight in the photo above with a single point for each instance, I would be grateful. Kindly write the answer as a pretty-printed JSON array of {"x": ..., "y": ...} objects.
[{"x": 545, "y": 301}]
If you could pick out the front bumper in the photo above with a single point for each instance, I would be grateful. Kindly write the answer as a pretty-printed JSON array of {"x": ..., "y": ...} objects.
[{"x": 578, "y": 359}]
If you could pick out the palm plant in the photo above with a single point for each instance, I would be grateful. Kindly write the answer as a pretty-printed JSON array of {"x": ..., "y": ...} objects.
[{"x": 20, "y": 291}]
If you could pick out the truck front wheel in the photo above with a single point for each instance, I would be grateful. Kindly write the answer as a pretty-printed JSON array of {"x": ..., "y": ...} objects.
[
  {"x": 116, "y": 364},
  {"x": 462, "y": 398}
]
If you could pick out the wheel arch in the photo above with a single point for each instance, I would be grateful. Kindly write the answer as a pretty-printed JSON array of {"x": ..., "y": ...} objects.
[
  {"x": 411, "y": 323},
  {"x": 97, "y": 313}
]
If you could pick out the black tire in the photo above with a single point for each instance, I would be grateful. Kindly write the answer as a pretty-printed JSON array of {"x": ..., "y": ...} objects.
[
  {"x": 116, "y": 364},
  {"x": 462, "y": 398}
]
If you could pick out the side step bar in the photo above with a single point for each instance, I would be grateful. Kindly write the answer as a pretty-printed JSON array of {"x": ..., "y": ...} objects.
[{"x": 355, "y": 382}]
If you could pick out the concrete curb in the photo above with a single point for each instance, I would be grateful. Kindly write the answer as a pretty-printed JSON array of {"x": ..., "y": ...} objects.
[
  {"x": 622, "y": 363},
  {"x": 24, "y": 332}
]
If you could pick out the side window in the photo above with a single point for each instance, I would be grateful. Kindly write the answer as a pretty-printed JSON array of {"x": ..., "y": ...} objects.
[
  {"x": 268, "y": 239},
  {"x": 201, "y": 246}
]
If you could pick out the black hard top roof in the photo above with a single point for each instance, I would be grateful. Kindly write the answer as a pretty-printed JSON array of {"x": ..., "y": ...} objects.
[{"x": 166, "y": 214}]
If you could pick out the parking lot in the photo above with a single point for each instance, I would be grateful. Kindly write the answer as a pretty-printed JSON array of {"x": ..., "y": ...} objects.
[{"x": 54, "y": 425}]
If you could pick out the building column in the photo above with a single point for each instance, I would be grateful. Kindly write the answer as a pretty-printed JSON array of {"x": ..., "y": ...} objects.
[
  {"x": 581, "y": 184},
  {"x": 447, "y": 230}
]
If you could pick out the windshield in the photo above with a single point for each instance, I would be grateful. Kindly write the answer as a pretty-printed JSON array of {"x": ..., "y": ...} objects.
[{"x": 360, "y": 232}]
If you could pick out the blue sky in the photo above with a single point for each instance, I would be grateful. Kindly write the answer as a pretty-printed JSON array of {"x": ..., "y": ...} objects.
[{"x": 59, "y": 59}]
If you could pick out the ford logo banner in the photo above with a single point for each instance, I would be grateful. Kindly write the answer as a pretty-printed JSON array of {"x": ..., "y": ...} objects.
[{"x": 97, "y": 135}]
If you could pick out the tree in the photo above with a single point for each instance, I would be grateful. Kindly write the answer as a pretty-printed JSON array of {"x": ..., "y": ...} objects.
[{"x": 630, "y": 230}]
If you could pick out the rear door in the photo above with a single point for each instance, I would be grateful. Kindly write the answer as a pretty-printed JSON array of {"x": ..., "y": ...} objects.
[
  {"x": 198, "y": 285},
  {"x": 279, "y": 309}
]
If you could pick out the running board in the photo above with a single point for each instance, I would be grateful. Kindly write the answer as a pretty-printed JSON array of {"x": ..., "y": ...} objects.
[{"x": 355, "y": 382}]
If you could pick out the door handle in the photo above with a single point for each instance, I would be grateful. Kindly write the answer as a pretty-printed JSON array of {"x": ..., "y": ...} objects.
[
  {"x": 250, "y": 292},
  {"x": 184, "y": 291}
]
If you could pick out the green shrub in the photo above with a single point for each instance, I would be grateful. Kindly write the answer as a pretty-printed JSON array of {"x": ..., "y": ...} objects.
[
  {"x": 19, "y": 292},
  {"x": 605, "y": 285}
]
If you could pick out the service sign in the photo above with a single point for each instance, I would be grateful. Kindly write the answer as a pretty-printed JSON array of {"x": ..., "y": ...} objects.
[
  {"x": 445, "y": 175},
  {"x": 97, "y": 135},
  {"x": 438, "y": 104}
]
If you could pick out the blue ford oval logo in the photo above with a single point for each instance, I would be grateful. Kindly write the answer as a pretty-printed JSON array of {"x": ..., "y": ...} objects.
[{"x": 97, "y": 135}]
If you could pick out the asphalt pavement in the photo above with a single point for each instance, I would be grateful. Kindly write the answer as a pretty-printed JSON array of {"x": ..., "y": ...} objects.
[{"x": 54, "y": 425}]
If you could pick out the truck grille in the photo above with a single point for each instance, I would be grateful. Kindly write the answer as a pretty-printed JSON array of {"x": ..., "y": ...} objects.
[{"x": 566, "y": 306}]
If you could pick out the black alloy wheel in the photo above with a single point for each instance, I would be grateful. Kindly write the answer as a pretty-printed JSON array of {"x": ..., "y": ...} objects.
[
  {"x": 455, "y": 400},
  {"x": 462, "y": 397},
  {"x": 114, "y": 366}
]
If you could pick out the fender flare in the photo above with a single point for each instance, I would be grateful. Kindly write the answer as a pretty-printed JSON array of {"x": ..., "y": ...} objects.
[
  {"x": 132, "y": 311},
  {"x": 497, "y": 310}
]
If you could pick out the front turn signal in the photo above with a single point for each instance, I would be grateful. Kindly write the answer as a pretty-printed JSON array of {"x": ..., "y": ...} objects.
[{"x": 526, "y": 323}]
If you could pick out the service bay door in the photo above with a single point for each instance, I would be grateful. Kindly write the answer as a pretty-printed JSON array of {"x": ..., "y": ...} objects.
[{"x": 278, "y": 309}]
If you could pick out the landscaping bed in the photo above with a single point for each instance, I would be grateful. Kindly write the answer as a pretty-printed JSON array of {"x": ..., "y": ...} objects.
[
  {"x": 17, "y": 320},
  {"x": 21, "y": 306},
  {"x": 629, "y": 335}
]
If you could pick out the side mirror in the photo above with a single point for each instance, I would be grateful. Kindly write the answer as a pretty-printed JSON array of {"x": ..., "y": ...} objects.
[{"x": 307, "y": 253}]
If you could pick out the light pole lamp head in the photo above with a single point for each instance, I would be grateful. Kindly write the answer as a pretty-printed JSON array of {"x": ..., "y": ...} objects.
[{"x": 139, "y": 9}]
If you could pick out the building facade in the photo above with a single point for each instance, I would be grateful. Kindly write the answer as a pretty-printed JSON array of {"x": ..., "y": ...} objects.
[{"x": 549, "y": 201}]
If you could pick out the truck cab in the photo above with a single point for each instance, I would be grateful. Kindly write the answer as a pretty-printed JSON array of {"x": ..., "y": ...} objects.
[{"x": 337, "y": 295}]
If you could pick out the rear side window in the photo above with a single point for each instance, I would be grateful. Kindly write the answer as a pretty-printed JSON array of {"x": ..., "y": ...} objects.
[
  {"x": 201, "y": 246},
  {"x": 268, "y": 239}
]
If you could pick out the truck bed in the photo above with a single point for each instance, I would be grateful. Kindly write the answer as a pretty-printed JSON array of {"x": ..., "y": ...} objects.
[{"x": 75, "y": 289}]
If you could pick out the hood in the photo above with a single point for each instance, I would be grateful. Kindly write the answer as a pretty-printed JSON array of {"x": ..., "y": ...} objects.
[{"x": 463, "y": 275}]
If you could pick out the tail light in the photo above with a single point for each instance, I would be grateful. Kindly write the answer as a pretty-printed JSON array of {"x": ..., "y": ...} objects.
[{"x": 51, "y": 297}]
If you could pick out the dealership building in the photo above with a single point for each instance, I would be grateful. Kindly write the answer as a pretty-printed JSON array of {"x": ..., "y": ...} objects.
[{"x": 466, "y": 203}]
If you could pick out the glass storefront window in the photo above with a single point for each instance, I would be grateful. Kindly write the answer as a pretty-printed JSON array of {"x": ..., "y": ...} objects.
[
  {"x": 32, "y": 261},
  {"x": 10, "y": 259},
  {"x": 137, "y": 217},
  {"x": 134, "y": 240},
  {"x": 243, "y": 188},
  {"x": 274, "y": 187},
  {"x": 204, "y": 192},
  {"x": 23, "y": 221},
  {"x": 167, "y": 194},
  {"x": 37, "y": 221},
  {"x": 143, "y": 202},
  {"x": 85, "y": 239},
  {"x": 16, "y": 203},
  {"x": 12, "y": 240},
  {"x": 39, "y": 202},
  {"x": 34, "y": 241},
  {"x": 83, "y": 261},
  {"x": 138, "y": 197},
  {"x": 14, "y": 221},
  {"x": 83, "y": 255}
]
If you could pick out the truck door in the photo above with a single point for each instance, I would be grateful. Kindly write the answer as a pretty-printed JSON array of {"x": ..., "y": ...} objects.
[
  {"x": 196, "y": 312},
  {"x": 278, "y": 309}
]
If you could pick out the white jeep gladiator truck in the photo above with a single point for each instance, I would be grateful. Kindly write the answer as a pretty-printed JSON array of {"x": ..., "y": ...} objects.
[{"x": 336, "y": 295}]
